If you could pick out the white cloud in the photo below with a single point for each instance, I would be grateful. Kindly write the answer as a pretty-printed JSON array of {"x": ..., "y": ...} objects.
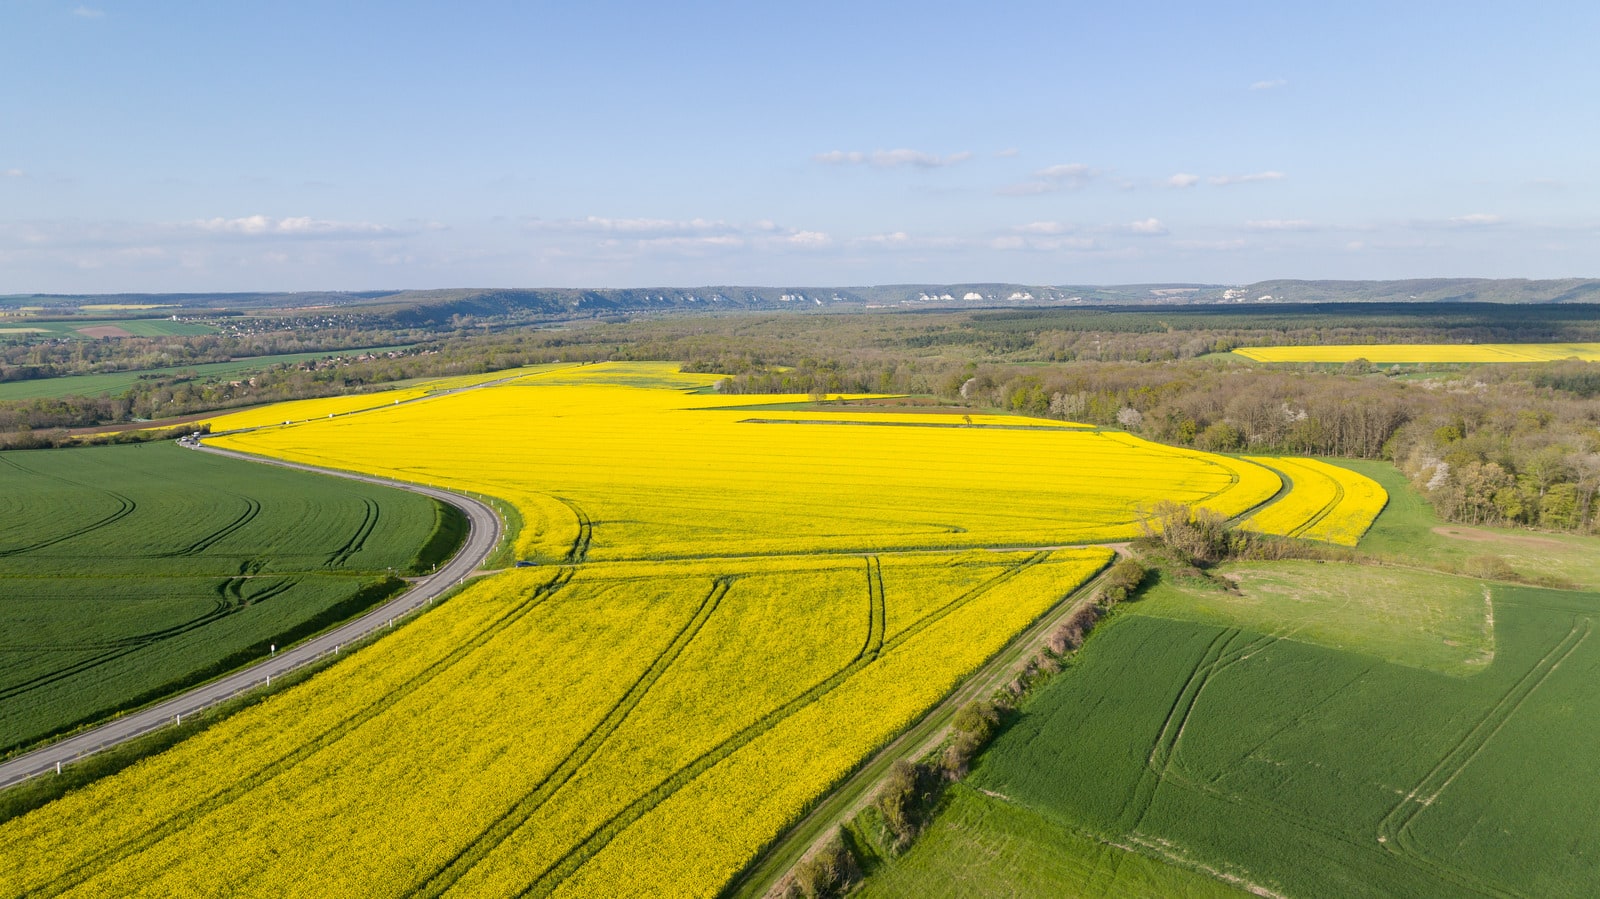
[
  {"x": 296, "y": 226},
  {"x": 1150, "y": 226},
  {"x": 1041, "y": 244},
  {"x": 693, "y": 237},
  {"x": 888, "y": 159},
  {"x": 84, "y": 12},
  {"x": 15, "y": 173},
  {"x": 1072, "y": 174},
  {"x": 1067, "y": 176},
  {"x": 808, "y": 239},
  {"x": 1183, "y": 180},
  {"x": 892, "y": 239},
  {"x": 1281, "y": 225},
  {"x": 1007, "y": 152},
  {"x": 1043, "y": 228},
  {"x": 1212, "y": 245},
  {"x": 1227, "y": 180},
  {"x": 1476, "y": 219},
  {"x": 643, "y": 227},
  {"x": 711, "y": 242},
  {"x": 1269, "y": 85}
]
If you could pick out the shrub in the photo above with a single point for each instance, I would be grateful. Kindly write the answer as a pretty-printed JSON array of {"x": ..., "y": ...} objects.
[
  {"x": 1069, "y": 636},
  {"x": 977, "y": 717},
  {"x": 829, "y": 870},
  {"x": 1123, "y": 579},
  {"x": 1488, "y": 566}
]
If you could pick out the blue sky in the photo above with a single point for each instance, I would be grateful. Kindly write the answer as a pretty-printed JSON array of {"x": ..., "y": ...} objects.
[{"x": 285, "y": 146}]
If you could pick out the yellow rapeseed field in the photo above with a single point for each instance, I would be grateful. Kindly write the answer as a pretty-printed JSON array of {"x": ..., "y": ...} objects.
[
  {"x": 305, "y": 410},
  {"x": 295, "y": 411},
  {"x": 730, "y": 611},
  {"x": 666, "y": 473},
  {"x": 1426, "y": 352},
  {"x": 1327, "y": 503}
]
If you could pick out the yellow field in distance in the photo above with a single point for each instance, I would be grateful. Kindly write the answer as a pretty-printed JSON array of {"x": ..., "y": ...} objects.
[
  {"x": 664, "y": 472},
  {"x": 1426, "y": 352},
  {"x": 295, "y": 411}
]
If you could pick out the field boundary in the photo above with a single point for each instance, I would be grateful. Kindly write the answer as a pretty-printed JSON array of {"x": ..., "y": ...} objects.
[
  {"x": 853, "y": 792},
  {"x": 484, "y": 531}
]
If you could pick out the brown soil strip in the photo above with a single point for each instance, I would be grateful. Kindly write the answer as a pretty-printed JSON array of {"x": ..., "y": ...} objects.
[
  {"x": 104, "y": 331},
  {"x": 1474, "y": 535}
]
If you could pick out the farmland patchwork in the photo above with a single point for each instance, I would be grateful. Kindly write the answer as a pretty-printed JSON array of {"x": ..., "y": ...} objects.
[{"x": 724, "y": 612}]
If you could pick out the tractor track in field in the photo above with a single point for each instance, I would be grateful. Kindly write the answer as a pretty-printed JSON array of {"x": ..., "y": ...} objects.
[
  {"x": 518, "y": 814},
  {"x": 125, "y": 507},
  {"x": 854, "y": 791},
  {"x": 552, "y": 876},
  {"x": 1394, "y": 830},
  {"x": 358, "y": 541},
  {"x": 251, "y": 510},
  {"x": 230, "y": 599}
]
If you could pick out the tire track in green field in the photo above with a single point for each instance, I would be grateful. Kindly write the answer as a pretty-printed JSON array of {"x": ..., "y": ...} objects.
[
  {"x": 1219, "y": 655},
  {"x": 125, "y": 507},
  {"x": 369, "y": 520},
  {"x": 230, "y": 600},
  {"x": 509, "y": 821},
  {"x": 111, "y": 854},
  {"x": 1394, "y": 829},
  {"x": 546, "y": 881},
  {"x": 251, "y": 510}
]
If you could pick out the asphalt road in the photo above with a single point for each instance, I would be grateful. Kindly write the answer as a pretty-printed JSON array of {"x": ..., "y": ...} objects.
[{"x": 482, "y": 535}]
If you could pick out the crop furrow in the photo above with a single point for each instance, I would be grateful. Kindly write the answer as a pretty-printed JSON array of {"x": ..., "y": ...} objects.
[
  {"x": 1394, "y": 825},
  {"x": 1324, "y": 512},
  {"x": 251, "y": 510},
  {"x": 369, "y": 520},
  {"x": 513, "y": 818},
  {"x": 551, "y": 877},
  {"x": 579, "y": 552},
  {"x": 125, "y": 507}
]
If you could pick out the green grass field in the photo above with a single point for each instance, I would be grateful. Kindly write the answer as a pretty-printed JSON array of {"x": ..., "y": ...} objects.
[
  {"x": 1311, "y": 771},
  {"x": 1320, "y": 729},
  {"x": 115, "y": 383},
  {"x": 1399, "y": 615},
  {"x": 983, "y": 845},
  {"x": 135, "y": 327},
  {"x": 128, "y": 572}
]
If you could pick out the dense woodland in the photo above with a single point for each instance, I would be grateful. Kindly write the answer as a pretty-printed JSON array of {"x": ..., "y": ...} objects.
[{"x": 1490, "y": 444}]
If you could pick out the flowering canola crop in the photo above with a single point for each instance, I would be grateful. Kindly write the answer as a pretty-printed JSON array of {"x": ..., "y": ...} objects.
[
  {"x": 296, "y": 411},
  {"x": 1327, "y": 503},
  {"x": 727, "y": 617}
]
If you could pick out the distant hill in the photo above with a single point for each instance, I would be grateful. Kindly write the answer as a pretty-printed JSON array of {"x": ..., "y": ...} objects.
[
  {"x": 460, "y": 306},
  {"x": 1427, "y": 290}
]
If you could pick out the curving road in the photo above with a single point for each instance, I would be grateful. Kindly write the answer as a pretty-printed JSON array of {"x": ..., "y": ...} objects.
[{"x": 482, "y": 535}]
